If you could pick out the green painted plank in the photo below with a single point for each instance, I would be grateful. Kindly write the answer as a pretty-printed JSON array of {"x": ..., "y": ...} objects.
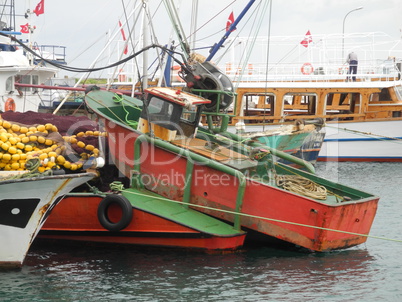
[{"x": 145, "y": 200}]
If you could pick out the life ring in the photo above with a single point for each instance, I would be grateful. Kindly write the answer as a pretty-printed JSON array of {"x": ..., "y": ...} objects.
[
  {"x": 126, "y": 209},
  {"x": 250, "y": 69},
  {"x": 9, "y": 105},
  {"x": 307, "y": 68}
]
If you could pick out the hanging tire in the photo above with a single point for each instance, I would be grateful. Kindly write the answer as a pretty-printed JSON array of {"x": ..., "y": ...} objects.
[{"x": 126, "y": 209}]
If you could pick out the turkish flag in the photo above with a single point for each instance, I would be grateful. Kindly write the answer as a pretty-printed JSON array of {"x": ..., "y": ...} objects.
[
  {"x": 25, "y": 28},
  {"x": 307, "y": 39},
  {"x": 40, "y": 8},
  {"x": 230, "y": 21}
]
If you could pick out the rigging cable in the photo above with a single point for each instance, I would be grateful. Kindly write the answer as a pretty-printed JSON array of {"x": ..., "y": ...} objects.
[
  {"x": 77, "y": 69},
  {"x": 220, "y": 12},
  {"x": 267, "y": 65}
]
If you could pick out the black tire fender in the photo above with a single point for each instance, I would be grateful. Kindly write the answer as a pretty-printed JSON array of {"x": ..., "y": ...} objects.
[{"x": 126, "y": 208}]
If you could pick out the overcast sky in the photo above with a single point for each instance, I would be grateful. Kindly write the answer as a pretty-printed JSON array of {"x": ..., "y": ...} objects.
[{"x": 82, "y": 25}]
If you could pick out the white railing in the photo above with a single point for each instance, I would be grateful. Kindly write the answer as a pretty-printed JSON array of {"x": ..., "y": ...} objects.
[{"x": 310, "y": 71}]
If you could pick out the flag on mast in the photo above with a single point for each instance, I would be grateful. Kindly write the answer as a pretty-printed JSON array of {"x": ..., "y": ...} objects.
[
  {"x": 40, "y": 8},
  {"x": 124, "y": 38},
  {"x": 230, "y": 21},
  {"x": 24, "y": 29},
  {"x": 307, "y": 39}
]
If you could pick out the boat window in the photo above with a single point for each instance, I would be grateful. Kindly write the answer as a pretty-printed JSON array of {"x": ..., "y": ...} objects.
[
  {"x": 9, "y": 84},
  {"x": 258, "y": 106},
  {"x": 256, "y": 103},
  {"x": 342, "y": 103},
  {"x": 35, "y": 80},
  {"x": 160, "y": 107},
  {"x": 25, "y": 79},
  {"x": 384, "y": 95},
  {"x": 398, "y": 92},
  {"x": 189, "y": 114},
  {"x": 299, "y": 103}
]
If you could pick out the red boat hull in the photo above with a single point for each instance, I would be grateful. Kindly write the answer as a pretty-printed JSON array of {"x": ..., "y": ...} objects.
[
  {"x": 265, "y": 209},
  {"x": 75, "y": 218}
]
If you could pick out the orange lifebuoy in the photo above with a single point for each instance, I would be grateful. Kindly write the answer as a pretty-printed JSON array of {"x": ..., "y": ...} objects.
[
  {"x": 250, "y": 69},
  {"x": 307, "y": 68},
  {"x": 228, "y": 67},
  {"x": 9, "y": 105}
]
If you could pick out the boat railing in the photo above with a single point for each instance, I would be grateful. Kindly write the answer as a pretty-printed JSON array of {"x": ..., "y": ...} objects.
[
  {"x": 388, "y": 70},
  {"x": 53, "y": 53}
]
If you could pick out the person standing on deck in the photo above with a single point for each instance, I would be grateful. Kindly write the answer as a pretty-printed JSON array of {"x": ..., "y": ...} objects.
[{"x": 352, "y": 60}]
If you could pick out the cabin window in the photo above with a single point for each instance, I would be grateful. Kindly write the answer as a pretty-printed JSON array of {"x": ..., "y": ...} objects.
[
  {"x": 35, "y": 80},
  {"x": 398, "y": 92},
  {"x": 300, "y": 103},
  {"x": 189, "y": 114},
  {"x": 25, "y": 79},
  {"x": 158, "y": 108},
  {"x": 257, "y": 104},
  {"x": 9, "y": 84},
  {"x": 342, "y": 103},
  {"x": 383, "y": 96}
]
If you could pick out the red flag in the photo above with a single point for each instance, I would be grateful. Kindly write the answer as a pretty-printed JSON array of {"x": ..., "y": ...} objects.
[
  {"x": 307, "y": 39},
  {"x": 40, "y": 8},
  {"x": 230, "y": 21},
  {"x": 24, "y": 29},
  {"x": 124, "y": 38}
]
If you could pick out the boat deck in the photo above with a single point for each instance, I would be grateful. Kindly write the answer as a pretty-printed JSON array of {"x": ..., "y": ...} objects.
[{"x": 179, "y": 213}]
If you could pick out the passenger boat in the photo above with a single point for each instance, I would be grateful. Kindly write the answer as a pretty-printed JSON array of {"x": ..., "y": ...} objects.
[
  {"x": 25, "y": 204},
  {"x": 363, "y": 119},
  {"x": 155, "y": 144}
]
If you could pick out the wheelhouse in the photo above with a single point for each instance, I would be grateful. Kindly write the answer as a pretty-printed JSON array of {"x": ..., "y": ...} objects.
[{"x": 171, "y": 114}]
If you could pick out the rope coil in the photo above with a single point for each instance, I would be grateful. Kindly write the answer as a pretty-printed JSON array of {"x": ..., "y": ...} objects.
[{"x": 301, "y": 185}]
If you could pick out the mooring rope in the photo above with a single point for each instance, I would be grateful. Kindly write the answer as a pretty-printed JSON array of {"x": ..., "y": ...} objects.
[{"x": 265, "y": 218}]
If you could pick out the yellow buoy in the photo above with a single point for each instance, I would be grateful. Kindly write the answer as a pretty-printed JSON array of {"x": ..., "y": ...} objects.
[{"x": 15, "y": 127}]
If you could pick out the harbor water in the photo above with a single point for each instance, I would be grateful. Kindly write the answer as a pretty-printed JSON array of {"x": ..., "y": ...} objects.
[{"x": 368, "y": 272}]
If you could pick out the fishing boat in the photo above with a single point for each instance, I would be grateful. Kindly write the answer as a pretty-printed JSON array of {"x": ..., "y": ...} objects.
[
  {"x": 25, "y": 204},
  {"x": 139, "y": 218},
  {"x": 94, "y": 214},
  {"x": 154, "y": 142},
  {"x": 21, "y": 67},
  {"x": 363, "y": 118}
]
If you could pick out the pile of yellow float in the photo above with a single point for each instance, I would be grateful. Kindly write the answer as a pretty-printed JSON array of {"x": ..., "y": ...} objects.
[{"x": 19, "y": 143}]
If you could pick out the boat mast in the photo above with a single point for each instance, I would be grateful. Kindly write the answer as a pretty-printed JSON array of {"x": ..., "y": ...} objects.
[
  {"x": 193, "y": 26},
  {"x": 145, "y": 54},
  {"x": 174, "y": 18}
]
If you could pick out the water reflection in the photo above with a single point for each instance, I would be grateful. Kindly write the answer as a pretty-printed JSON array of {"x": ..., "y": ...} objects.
[{"x": 162, "y": 275}]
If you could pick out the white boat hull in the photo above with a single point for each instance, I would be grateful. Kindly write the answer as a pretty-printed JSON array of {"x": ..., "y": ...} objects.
[
  {"x": 24, "y": 206},
  {"x": 363, "y": 141}
]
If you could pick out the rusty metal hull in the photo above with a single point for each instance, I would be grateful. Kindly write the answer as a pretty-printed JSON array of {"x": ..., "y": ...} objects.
[{"x": 24, "y": 206}]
